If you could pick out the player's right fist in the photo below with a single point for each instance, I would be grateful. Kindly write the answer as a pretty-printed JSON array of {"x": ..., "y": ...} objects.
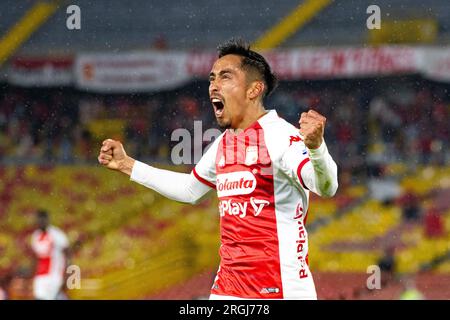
[{"x": 113, "y": 156}]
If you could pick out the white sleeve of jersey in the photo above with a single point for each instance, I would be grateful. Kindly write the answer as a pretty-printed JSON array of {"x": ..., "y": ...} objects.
[
  {"x": 205, "y": 170},
  {"x": 313, "y": 169},
  {"x": 177, "y": 186},
  {"x": 60, "y": 238}
]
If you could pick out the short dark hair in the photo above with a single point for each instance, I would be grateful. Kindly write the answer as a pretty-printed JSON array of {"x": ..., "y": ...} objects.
[
  {"x": 251, "y": 60},
  {"x": 42, "y": 214}
]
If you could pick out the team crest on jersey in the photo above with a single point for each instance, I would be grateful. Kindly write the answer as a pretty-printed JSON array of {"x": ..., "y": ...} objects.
[
  {"x": 251, "y": 155},
  {"x": 221, "y": 162}
]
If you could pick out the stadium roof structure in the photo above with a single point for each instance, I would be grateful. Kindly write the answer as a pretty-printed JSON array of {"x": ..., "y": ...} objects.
[{"x": 138, "y": 24}]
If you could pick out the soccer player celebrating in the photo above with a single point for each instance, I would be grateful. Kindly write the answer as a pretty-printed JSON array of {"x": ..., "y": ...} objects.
[{"x": 263, "y": 169}]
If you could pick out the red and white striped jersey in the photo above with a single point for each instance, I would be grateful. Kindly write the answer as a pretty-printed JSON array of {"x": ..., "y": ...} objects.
[
  {"x": 261, "y": 177},
  {"x": 49, "y": 246}
]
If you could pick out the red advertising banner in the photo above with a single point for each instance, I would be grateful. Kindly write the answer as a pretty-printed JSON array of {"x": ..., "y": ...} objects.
[
  {"x": 156, "y": 70},
  {"x": 41, "y": 72}
]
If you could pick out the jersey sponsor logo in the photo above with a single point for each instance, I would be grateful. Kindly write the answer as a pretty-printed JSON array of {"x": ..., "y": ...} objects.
[
  {"x": 294, "y": 139},
  {"x": 235, "y": 183},
  {"x": 301, "y": 243},
  {"x": 258, "y": 205},
  {"x": 235, "y": 208}
]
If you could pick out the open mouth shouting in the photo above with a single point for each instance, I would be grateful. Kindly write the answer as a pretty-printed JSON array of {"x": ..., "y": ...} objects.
[{"x": 218, "y": 106}]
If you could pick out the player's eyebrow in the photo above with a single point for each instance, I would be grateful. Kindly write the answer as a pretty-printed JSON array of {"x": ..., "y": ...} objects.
[{"x": 221, "y": 72}]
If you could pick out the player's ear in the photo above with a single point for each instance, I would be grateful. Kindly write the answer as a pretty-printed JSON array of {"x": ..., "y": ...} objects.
[{"x": 256, "y": 89}]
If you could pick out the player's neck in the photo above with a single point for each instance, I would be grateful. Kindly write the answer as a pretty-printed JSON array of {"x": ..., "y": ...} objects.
[{"x": 253, "y": 114}]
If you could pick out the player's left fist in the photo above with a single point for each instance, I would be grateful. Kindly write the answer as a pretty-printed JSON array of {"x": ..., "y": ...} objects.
[{"x": 312, "y": 126}]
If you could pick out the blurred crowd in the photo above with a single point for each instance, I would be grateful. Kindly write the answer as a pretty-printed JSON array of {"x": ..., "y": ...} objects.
[{"x": 370, "y": 122}]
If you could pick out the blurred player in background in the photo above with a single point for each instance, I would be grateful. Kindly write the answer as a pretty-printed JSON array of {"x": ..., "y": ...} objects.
[
  {"x": 50, "y": 245},
  {"x": 263, "y": 169}
]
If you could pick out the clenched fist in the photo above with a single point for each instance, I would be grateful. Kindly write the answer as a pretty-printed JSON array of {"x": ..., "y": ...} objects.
[
  {"x": 113, "y": 156},
  {"x": 312, "y": 125}
]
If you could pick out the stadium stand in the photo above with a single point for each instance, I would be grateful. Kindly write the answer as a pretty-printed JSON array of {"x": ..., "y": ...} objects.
[{"x": 202, "y": 24}]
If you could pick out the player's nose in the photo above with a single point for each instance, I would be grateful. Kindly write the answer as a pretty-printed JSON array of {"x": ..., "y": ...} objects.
[{"x": 213, "y": 87}]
